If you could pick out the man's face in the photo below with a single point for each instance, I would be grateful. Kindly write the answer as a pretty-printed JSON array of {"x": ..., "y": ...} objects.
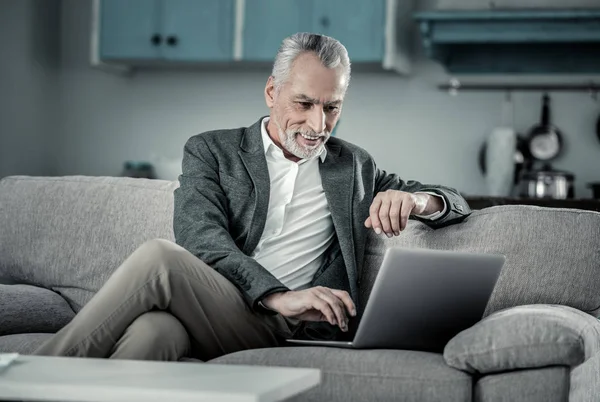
[{"x": 306, "y": 108}]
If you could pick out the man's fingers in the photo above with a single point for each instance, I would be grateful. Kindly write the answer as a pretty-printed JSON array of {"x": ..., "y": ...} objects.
[
  {"x": 407, "y": 207},
  {"x": 346, "y": 299},
  {"x": 374, "y": 214},
  {"x": 319, "y": 304},
  {"x": 389, "y": 212},
  {"x": 336, "y": 305},
  {"x": 395, "y": 214},
  {"x": 340, "y": 309},
  {"x": 384, "y": 216}
]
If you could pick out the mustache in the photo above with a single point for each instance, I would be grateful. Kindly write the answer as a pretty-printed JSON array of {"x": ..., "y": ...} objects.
[{"x": 310, "y": 133}]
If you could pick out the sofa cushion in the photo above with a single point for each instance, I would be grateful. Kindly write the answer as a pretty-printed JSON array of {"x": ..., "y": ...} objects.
[
  {"x": 70, "y": 233},
  {"x": 550, "y": 384},
  {"x": 32, "y": 309},
  {"x": 525, "y": 337},
  {"x": 366, "y": 375},
  {"x": 552, "y": 254},
  {"x": 22, "y": 343}
]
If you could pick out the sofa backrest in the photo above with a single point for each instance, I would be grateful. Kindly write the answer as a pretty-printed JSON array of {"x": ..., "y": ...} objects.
[
  {"x": 70, "y": 233},
  {"x": 552, "y": 254}
]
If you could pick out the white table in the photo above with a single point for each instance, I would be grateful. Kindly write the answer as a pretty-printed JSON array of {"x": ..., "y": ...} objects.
[{"x": 37, "y": 378}]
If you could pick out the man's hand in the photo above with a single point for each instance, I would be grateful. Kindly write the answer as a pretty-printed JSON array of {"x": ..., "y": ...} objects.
[
  {"x": 314, "y": 304},
  {"x": 390, "y": 210}
]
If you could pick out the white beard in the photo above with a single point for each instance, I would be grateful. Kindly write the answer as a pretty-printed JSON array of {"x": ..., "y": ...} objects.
[{"x": 288, "y": 141}]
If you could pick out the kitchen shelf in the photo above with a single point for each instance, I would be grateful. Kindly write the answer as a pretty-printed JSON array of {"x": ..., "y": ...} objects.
[
  {"x": 456, "y": 85},
  {"x": 517, "y": 41}
]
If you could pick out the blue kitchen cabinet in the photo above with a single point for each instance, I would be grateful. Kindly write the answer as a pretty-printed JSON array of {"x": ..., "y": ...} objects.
[
  {"x": 127, "y": 29},
  {"x": 358, "y": 24},
  {"x": 170, "y": 30},
  {"x": 198, "y": 30},
  {"x": 268, "y": 22},
  {"x": 203, "y": 30}
]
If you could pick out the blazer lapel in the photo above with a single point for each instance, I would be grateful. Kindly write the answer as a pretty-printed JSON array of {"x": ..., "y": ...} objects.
[
  {"x": 337, "y": 177},
  {"x": 253, "y": 157}
]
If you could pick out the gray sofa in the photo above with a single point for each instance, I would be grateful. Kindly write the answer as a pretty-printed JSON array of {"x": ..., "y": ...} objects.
[{"x": 61, "y": 238}]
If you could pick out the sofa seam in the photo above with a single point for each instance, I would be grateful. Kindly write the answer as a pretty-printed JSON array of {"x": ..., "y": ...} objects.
[
  {"x": 489, "y": 377},
  {"x": 503, "y": 210},
  {"x": 389, "y": 377},
  {"x": 480, "y": 353},
  {"x": 89, "y": 182}
]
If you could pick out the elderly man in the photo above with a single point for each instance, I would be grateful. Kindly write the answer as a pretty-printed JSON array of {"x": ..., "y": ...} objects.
[{"x": 270, "y": 223}]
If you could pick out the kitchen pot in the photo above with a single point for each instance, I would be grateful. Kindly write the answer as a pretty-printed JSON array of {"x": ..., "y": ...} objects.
[
  {"x": 547, "y": 183},
  {"x": 595, "y": 189}
]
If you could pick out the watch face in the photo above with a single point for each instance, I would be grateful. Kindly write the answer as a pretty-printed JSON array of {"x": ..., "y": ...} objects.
[{"x": 544, "y": 146}]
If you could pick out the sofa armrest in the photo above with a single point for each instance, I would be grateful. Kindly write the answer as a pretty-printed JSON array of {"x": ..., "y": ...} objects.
[
  {"x": 30, "y": 309},
  {"x": 585, "y": 381},
  {"x": 525, "y": 337}
]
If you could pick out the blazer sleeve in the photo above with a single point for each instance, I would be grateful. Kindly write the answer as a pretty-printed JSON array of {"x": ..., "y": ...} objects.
[
  {"x": 200, "y": 225},
  {"x": 457, "y": 207}
]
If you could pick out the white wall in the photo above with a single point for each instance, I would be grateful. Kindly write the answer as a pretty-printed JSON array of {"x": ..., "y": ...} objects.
[
  {"x": 29, "y": 40},
  {"x": 409, "y": 127}
]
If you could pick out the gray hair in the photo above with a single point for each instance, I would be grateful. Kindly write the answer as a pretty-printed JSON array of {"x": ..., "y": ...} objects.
[{"x": 329, "y": 50}]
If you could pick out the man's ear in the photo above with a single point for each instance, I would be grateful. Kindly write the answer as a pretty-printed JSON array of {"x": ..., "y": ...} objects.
[{"x": 270, "y": 92}]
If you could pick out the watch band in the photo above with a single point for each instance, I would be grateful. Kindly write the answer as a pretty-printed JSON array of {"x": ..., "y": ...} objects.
[
  {"x": 261, "y": 304},
  {"x": 267, "y": 309}
]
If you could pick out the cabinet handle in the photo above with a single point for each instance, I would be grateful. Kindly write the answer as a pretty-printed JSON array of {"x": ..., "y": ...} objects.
[
  {"x": 156, "y": 39},
  {"x": 172, "y": 40},
  {"x": 325, "y": 22}
]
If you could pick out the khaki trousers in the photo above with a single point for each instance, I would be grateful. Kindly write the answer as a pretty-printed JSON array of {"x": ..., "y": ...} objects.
[{"x": 163, "y": 303}]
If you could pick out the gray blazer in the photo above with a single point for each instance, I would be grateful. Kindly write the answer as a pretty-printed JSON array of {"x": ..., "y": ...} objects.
[{"x": 221, "y": 208}]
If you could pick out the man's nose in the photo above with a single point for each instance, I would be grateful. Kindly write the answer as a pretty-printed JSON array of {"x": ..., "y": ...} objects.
[{"x": 316, "y": 120}]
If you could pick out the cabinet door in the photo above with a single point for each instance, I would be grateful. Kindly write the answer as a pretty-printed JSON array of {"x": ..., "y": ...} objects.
[
  {"x": 358, "y": 24},
  {"x": 127, "y": 28},
  {"x": 198, "y": 30},
  {"x": 268, "y": 22}
]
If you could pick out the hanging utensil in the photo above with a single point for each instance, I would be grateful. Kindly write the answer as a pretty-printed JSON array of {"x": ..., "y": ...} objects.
[
  {"x": 522, "y": 157},
  {"x": 545, "y": 140}
]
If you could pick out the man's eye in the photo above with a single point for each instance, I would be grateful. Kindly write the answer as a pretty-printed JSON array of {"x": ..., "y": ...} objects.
[
  {"x": 332, "y": 109},
  {"x": 305, "y": 105}
]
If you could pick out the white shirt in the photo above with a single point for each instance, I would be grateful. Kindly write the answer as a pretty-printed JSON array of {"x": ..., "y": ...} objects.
[{"x": 299, "y": 227}]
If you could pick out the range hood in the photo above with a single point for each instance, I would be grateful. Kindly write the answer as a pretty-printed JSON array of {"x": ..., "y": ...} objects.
[{"x": 510, "y": 41}]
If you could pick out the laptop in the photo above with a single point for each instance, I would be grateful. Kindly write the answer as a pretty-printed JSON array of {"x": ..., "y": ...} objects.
[{"x": 422, "y": 298}]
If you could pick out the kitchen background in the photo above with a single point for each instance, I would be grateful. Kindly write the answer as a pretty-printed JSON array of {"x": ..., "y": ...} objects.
[{"x": 61, "y": 116}]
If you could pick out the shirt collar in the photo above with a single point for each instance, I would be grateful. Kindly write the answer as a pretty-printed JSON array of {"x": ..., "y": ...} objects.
[{"x": 268, "y": 142}]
